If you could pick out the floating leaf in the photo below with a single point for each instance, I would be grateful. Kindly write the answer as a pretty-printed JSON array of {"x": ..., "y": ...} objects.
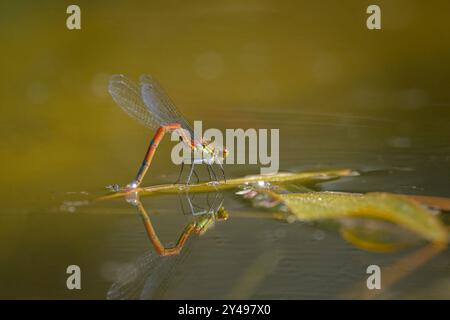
[
  {"x": 307, "y": 177},
  {"x": 396, "y": 209},
  {"x": 376, "y": 235}
]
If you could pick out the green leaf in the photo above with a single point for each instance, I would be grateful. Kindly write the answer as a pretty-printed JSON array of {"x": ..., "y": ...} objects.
[
  {"x": 305, "y": 178},
  {"x": 397, "y": 209}
]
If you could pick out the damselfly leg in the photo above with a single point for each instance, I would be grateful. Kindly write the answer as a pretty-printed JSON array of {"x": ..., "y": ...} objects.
[{"x": 191, "y": 171}]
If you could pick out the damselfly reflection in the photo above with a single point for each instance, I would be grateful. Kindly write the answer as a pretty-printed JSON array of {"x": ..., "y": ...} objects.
[
  {"x": 205, "y": 218},
  {"x": 146, "y": 276}
]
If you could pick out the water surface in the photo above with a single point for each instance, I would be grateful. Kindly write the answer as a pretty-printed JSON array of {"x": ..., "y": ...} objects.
[{"x": 342, "y": 96}]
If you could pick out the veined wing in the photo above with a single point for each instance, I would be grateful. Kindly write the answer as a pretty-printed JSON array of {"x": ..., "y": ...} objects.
[
  {"x": 160, "y": 104},
  {"x": 127, "y": 95}
]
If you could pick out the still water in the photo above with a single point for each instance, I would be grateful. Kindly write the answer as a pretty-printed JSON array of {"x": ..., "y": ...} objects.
[{"x": 341, "y": 95}]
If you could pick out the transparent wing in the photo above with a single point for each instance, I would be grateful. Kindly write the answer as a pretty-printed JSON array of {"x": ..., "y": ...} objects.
[
  {"x": 127, "y": 95},
  {"x": 160, "y": 104}
]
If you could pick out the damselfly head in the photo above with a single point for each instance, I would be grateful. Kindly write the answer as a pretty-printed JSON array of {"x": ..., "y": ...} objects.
[{"x": 222, "y": 214}]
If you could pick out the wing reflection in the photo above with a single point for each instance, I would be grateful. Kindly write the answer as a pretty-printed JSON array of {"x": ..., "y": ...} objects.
[{"x": 147, "y": 276}]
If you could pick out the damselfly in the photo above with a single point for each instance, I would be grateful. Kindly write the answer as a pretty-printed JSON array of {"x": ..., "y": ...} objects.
[{"x": 148, "y": 104}]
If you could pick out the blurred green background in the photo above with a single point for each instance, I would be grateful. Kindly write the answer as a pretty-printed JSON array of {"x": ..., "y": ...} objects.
[{"x": 341, "y": 95}]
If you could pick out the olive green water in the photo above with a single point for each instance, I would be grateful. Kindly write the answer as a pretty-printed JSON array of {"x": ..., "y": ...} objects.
[{"x": 341, "y": 95}]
